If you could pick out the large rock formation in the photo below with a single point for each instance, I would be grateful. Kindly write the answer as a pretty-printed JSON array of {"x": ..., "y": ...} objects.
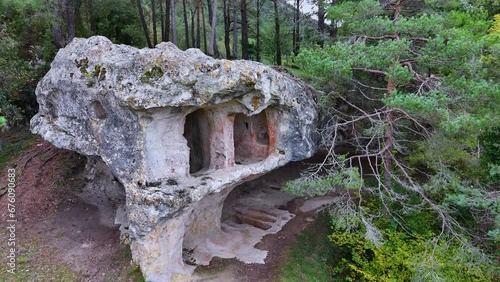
[{"x": 179, "y": 130}]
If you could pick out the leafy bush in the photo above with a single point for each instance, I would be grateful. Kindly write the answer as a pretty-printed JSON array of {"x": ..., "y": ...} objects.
[
  {"x": 406, "y": 258},
  {"x": 392, "y": 261},
  {"x": 405, "y": 255}
]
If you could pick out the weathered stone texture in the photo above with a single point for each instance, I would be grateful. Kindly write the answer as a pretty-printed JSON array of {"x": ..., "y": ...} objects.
[{"x": 173, "y": 127}]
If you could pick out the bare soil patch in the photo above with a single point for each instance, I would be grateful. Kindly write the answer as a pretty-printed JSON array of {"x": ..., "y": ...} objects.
[{"x": 58, "y": 235}]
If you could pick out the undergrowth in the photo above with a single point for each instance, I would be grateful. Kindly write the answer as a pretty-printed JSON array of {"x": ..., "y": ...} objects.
[
  {"x": 14, "y": 144},
  {"x": 311, "y": 256}
]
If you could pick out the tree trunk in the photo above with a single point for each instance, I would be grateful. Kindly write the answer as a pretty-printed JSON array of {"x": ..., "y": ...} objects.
[
  {"x": 174, "y": 26},
  {"x": 235, "y": 29},
  {"x": 258, "y": 30},
  {"x": 92, "y": 22},
  {"x": 244, "y": 30},
  {"x": 70, "y": 20},
  {"x": 198, "y": 25},
  {"x": 294, "y": 31},
  {"x": 333, "y": 29},
  {"x": 63, "y": 30},
  {"x": 277, "y": 33},
  {"x": 167, "y": 21},
  {"x": 186, "y": 28},
  {"x": 204, "y": 29},
  {"x": 78, "y": 15},
  {"x": 321, "y": 22},
  {"x": 333, "y": 24},
  {"x": 153, "y": 14},
  {"x": 193, "y": 13},
  {"x": 227, "y": 29},
  {"x": 212, "y": 49},
  {"x": 296, "y": 28},
  {"x": 209, "y": 5},
  {"x": 389, "y": 117},
  {"x": 162, "y": 21},
  {"x": 388, "y": 144},
  {"x": 144, "y": 24}
]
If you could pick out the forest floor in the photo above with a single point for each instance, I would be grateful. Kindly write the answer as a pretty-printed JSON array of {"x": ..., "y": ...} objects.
[{"x": 61, "y": 237}]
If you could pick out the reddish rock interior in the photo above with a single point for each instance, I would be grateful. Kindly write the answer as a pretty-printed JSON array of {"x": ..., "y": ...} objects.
[{"x": 251, "y": 138}]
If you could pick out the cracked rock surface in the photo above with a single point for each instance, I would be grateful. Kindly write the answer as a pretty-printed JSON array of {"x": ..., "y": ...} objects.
[{"x": 179, "y": 131}]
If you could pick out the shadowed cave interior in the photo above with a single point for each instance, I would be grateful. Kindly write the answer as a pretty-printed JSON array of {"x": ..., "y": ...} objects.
[
  {"x": 250, "y": 139},
  {"x": 197, "y": 133}
]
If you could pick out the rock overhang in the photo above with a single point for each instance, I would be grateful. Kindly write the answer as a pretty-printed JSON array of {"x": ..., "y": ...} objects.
[{"x": 152, "y": 115}]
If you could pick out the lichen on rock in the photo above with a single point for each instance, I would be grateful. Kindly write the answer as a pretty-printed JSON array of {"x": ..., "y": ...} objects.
[{"x": 178, "y": 129}]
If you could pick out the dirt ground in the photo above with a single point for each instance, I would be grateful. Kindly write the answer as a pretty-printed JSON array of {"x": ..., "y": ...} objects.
[
  {"x": 278, "y": 247},
  {"x": 60, "y": 237}
]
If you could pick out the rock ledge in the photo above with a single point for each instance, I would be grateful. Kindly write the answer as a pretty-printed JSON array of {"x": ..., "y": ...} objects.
[{"x": 178, "y": 129}]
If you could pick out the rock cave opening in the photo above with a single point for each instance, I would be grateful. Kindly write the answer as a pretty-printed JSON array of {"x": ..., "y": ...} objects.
[
  {"x": 197, "y": 133},
  {"x": 251, "y": 138},
  {"x": 259, "y": 203},
  {"x": 230, "y": 223},
  {"x": 244, "y": 206}
]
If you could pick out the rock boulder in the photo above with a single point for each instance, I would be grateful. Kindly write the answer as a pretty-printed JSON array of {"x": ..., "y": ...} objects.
[{"x": 179, "y": 130}]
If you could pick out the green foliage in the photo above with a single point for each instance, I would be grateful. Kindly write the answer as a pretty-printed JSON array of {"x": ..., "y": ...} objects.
[
  {"x": 391, "y": 262},
  {"x": 136, "y": 275},
  {"x": 494, "y": 35},
  {"x": 490, "y": 144},
  {"x": 25, "y": 52},
  {"x": 435, "y": 69},
  {"x": 430, "y": 106},
  {"x": 406, "y": 258},
  {"x": 343, "y": 177},
  {"x": 456, "y": 262},
  {"x": 400, "y": 75},
  {"x": 405, "y": 255},
  {"x": 119, "y": 21},
  {"x": 350, "y": 12},
  {"x": 10, "y": 150}
]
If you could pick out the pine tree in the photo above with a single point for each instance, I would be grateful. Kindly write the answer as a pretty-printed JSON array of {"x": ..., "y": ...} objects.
[{"x": 412, "y": 98}]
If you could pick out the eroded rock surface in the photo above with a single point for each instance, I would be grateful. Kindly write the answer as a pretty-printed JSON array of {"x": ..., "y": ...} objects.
[{"x": 179, "y": 130}]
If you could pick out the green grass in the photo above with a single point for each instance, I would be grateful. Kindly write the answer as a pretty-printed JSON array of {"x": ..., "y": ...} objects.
[
  {"x": 55, "y": 273},
  {"x": 136, "y": 274},
  {"x": 32, "y": 266},
  {"x": 127, "y": 253},
  {"x": 310, "y": 258}
]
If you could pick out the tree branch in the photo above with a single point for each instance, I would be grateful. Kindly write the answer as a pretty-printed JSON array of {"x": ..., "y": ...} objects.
[{"x": 371, "y": 71}]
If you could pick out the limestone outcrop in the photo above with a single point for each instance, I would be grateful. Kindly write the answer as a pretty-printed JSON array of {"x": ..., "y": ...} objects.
[{"x": 179, "y": 130}]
